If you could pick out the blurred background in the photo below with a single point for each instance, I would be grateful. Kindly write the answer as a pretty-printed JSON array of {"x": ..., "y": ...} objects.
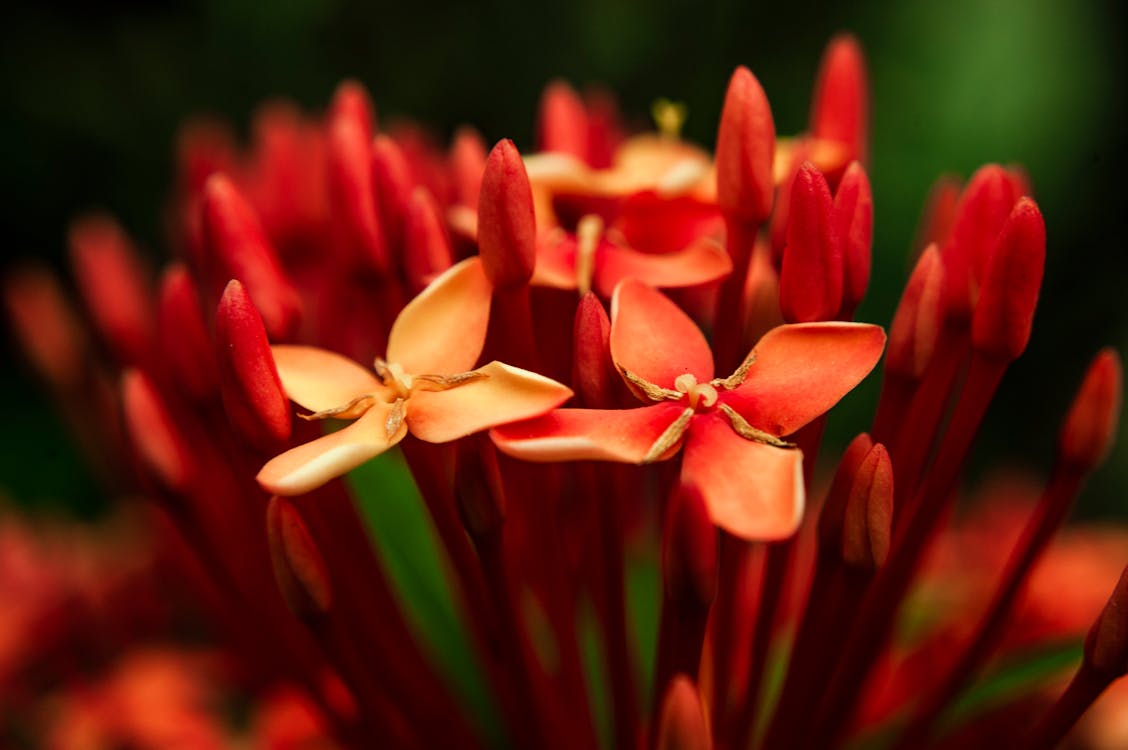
[{"x": 93, "y": 95}]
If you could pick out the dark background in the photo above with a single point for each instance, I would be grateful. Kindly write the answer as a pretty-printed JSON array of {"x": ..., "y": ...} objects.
[{"x": 92, "y": 95}]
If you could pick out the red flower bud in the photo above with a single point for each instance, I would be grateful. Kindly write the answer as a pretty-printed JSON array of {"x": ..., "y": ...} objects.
[
  {"x": 153, "y": 432},
  {"x": 605, "y": 127},
  {"x": 916, "y": 323},
  {"x": 184, "y": 342},
  {"x": 506, "y": 225},
  {"x": 352, "y": 102},
  {"x": 394, "y": 185},
  {"x": 562, "y": 122},
  {"x": 810, "y": 281},
  {"x": 352, "y": 190},
  {"x": 49, "y": 331},
  {"x": 203, "y": 147},
  {"x": 683, "y": 725},
  {"x": 745, "y": 149},
  {"x": 840, "y": 109},
  {"x": 593, "y": 372},
  {"x": 253, "y": 397},
  {"x": 238, "y": 249},
  {"x": 1005, "y": 311},
  {"x": 867, "y": 522},
  {"x": 1090, "y": 426},
  {"x": 114, "y": 286},
  {"x": 939, "y": 212},
  {"x": 427, "y": 250},
  {"x": 834, "y": 509},
  {"x": 853, "y": 220},
  {"x": 689, "y": 549},
  {"x": 299, "y": 568},
  {"x": 467, "y": 163},
  {"x": 1106, "y": 647}
]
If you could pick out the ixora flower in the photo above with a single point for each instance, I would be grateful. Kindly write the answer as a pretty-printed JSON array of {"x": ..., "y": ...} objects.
[
  {"x": 426, "y": 386},
  {"x": 732, "y": 428}
]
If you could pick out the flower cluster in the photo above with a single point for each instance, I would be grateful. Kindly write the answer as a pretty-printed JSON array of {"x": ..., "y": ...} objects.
[{"x": 438, "y": 299}]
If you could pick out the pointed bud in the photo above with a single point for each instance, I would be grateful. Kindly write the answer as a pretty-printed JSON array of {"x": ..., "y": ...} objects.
[
  {"x": 478, "y": 487},
  {"x": 939, "y": 212},
  {"x": 427, "y": 251},
  {"x": 238, "y": 249},
  {"x": 153, "y": 433},
  {"x": 562, "y": 122},
  {"x": 1005, "y": 311},
  {"x": 834, "y": 508},
  {"x": 394, "y": 186},
  {"x": 605, "y": 127},
  {"x": 114, "y": 286},
  {"x": 810, "y": 281},
  {"x": 1090, "y": 426},
  {"x": 184, "y": 343},
  {"x": 867, "y": 522},
  {"x": 467, "y": 164},
  {"x": 352, "y": 102},
  {"x": 203, "y": 147},
  {"x": 689, "y": 549},
  {"x": 506, "y": 225},
  {"x": 287, "y": 180},
  {"x": 299, "y": 569},
  {"x": 47, "y": 327},
  {"x": 352, "y": 190},
  {"x": 593, "y": 372},
  {"x": 253, "y": 398},
  {"x": 853, "y": 220},
  {"x": 840, "y": 110},
  {"x": 917, "y": 321},
  {"x": 745, "y": 149},
  {"x": 683, "y": 725},
  {"x": 1106, "y": 647}
]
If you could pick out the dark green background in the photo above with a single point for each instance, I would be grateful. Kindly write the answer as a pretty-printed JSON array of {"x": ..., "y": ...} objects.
[{"x": 92, "y": 95}]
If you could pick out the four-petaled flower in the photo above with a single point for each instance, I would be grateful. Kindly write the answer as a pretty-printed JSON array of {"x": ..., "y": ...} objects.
[
  {"x": 732, "y": 428},
  {"x": 425, "y": 387}
]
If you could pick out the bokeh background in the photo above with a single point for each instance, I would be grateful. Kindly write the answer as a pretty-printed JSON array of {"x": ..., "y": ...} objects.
[{"x": 93, "y": 93}]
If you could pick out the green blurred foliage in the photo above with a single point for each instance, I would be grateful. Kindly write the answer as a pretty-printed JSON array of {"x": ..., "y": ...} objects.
[{"x": 93, "y": 95}]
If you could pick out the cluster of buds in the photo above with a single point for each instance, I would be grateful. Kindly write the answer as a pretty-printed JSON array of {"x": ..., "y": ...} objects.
[{"x": 436, "y": 301}]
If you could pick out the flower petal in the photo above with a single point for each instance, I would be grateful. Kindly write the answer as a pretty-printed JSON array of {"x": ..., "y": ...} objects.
[
  {"x": 653, "y": 338},
  {"x": 625, "y": 435},
  {"x": 802, "y": 370},
  {"x": 319, "y": 379},
  {"x": 505, "y": 394},
  {"x": 442, "y": 330},
  {"x": 752, "y": 490},
  {"x": 307, "y": 467},
  {"x": 701, "y": 262},
  {"x": 556, "y": 260}
]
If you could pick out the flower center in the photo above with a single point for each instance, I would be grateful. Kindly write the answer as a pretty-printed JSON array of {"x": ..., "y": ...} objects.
[
  {"x": 393, "y": 375},
  {"x": 696, "y": 393}
]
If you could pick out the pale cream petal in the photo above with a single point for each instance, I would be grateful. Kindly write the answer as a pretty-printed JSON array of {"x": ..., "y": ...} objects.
[{"x": 319, "y": 379}]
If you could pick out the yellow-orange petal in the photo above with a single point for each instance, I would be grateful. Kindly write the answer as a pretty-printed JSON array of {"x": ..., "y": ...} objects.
[
  {"x": 624, "y": 435},
  {"x": 307, "y": 467},
  {"x": 701, "y": 262},
  {"x": 556, "y": 260},
  {"x": 319, "y": 379},
  {"x": 442, "y": 330},
  {"x": 654, "y": 339},
  {"x": 801, "y": 371},
  {"x": 505, "y": 394},
  {"x": 752, "y": 490}
]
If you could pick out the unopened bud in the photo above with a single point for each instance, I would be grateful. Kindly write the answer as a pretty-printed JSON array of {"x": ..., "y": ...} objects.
[
  {"x": 1090, "y": 426},
  {"x": 562, "y": 122},
  {"x": 184, "y": 342},
  {"x": 1106, "y": 647},
  {"x": 353, "y": 192},
  {"x": 256, "y": 405},
  {"x": 467, "y": 163},
  {"x": 867, "y": 523},
  {"x": 840, "y": 109},
  {"x": 47, "y": 326},
  {"x": 299, "y": 568},
  {"x": 427, "y": 251},
  {"x": 1005, "y": 312},
  {"x": 810, "y": 281},
  {"x": 853, "y": 220},
  {"x": 506, "y": 224},
  {"x": 593, "y": 372},
  {"x": 745, "y": 150},
  {"x": 394, "y": 186},
  {"x": 351, "y": 101},
  {"x": 834, "y": 508},
  {"x": 683, "y": 725},
  {"x": 939, "y": 212},
  {"x": 917, "y": 321},
  {"x": 153, "y": 433}
]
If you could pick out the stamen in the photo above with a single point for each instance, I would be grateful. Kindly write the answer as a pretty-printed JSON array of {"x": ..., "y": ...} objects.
[
  {"x": 395, "y": 418},
  {"x": 669, "y": 438},
  {"x": 351, "y": 410},
  {"x": 446, "y": 382},
  {"x": 687, "y": 383},
  {"x": 652, "y": 391},
  {"x": 392, "y": 375},
  {"x": 669, "y": 117},
  {"x": 748, "y": 432},
  {"x": 733, "y": 381},
  {"x": 589, "y": 230}
]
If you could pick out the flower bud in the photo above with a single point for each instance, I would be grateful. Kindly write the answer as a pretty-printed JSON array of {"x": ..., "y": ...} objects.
[
  {"x": 427, "y": 251},
  {"x": 352, "y": 190},
  {"x": 916, "y": 323},
  {"x": 114, "y": 286},
  {"x": 1090, "y": 426},
  {"x": 352, "y": 102},
  {"x": 1106, "y": 647},
  {"x": 593, "y": 372},
  {"x": 506, "y": 225},
  {"x": 253, "y": 398},
  {"x": 1005, "y": 312},
  {"x": 394, "y": 185},
  {"x": 840, "y": 109},
  {"x": 47, "y": 327},
  {"x": 238, "y": 249},
  {"x": 810, "y": 282},
  {"x": 153, "y": 432},
  {"x": 867, "y": 522},
  {"x": 939, "y": 212},
  {"x": 853, "y": 221},
  {"x": 683, "y": 725},
  {"x": 834, "y": 508},
  {"x": 184, "y": 342},
  {"x": 467, "y": 163},
  {"x": 299, "y": 568},
  {"x": 745, "y": 149},
  {"x": 562, "y": 121}
]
